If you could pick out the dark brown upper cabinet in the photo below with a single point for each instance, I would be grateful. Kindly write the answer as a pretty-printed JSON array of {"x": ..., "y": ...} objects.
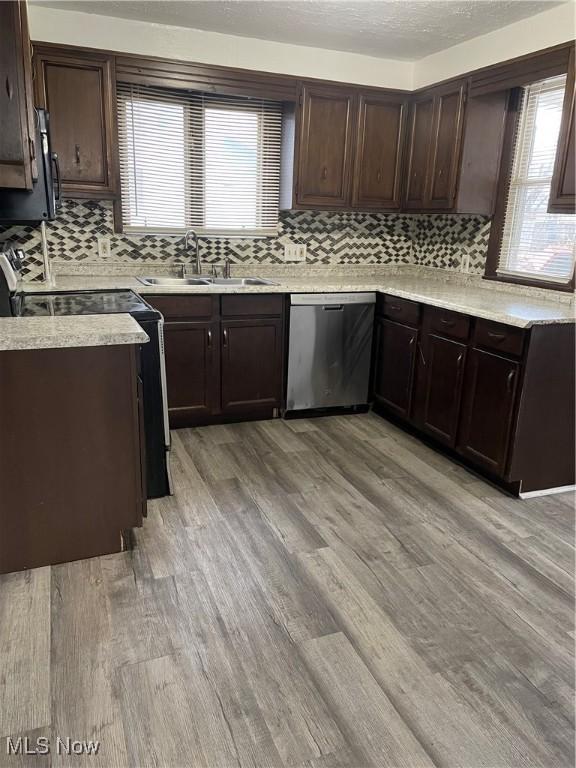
[
  {"x": 324, "y": 148},
  {"x": 418, "y": 152},
  {"x": 445, "y": 147},
  {"x": 562, "y": 194},
  {"x": 17, "y": 124},
  {"x": 349, "y": 149},
  {"x": 453, "y": 150},
  {"x": 434, "y": 142},
  {"x": 378, "y": 158},
  {"x": 77, "y": 89}
]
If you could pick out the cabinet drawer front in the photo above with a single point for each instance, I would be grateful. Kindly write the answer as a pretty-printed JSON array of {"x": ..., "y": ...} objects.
[
  {"x": 447, "y": 323},
  {"x": 401, "y": 310},
  {"x": 269, "y": 304},
  {"x": 502, "y": 338},
  {"x": 185, "y": 307}
]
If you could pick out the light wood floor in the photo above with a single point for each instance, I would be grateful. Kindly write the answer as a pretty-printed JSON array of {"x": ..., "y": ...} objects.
[{"x": 318, "y": 594}]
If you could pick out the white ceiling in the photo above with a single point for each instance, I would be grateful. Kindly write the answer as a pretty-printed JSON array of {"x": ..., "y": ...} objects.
[{"x": 390, "y": 29}]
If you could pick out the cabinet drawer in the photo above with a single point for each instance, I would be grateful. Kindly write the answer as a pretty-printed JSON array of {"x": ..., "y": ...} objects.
[
  {"x": 447, "y": 323},
  {"x": 251, "y": 306},
  {"x": 401, "y": 310},
  {"x": 501, "y": 338},
  {"x": 185, "y": 307}
]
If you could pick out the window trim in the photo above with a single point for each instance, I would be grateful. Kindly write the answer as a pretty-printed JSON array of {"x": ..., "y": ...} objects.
[{"x": 497, "y": 230}]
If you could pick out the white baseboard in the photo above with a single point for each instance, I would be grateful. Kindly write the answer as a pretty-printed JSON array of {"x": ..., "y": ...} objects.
[{"x": 547, "y": 491}]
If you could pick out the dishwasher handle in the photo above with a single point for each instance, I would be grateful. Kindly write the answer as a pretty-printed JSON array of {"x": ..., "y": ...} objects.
[{"x": 333, "y": 307}]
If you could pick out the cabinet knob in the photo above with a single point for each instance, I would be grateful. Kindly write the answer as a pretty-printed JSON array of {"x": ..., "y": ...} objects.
[
  {"x": 379, "y": 176},
  {"x": 77, "y": 154},
  {"x": 324, "y": 173}
]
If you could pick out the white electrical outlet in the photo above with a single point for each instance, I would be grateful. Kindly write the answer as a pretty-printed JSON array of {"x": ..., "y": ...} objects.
[
  {"x": 294, "y": 252},
  {"x": 104, "y": 247}
]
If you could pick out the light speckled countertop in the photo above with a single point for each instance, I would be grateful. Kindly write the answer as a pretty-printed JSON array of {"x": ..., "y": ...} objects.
[
  {"x": 18, "y": 333},
  {"x": 504, "y": 306}
]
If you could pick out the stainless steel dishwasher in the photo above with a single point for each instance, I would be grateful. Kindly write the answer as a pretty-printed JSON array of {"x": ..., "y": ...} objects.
[{"x": 329, "y": 350}]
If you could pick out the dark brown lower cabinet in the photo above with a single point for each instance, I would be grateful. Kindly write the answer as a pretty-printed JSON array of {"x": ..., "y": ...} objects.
[
  {"x": 395, "y": 356},
  {"x": 192, "y": 371},
  {"x": 224, "y": 356},
  {"x": 500, "y": 397},
  {"x": 488, "y": 409},
  {"x": 442, "y": 373},
  {"x": 71, "y": 462},
  {"x": 251, "y": 365}
]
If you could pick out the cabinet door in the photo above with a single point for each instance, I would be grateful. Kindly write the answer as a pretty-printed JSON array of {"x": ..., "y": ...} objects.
[
  {"x": 17, "y": 147},
  {"x": 443, "y": 379},
  {"x": 488, "y": 409},
  {"x": 395, "y": 354},
  {"x": 419, "y": 136},
  {"x": 324, "y": 148},
  {"x": 380, "y": 139},
  {"x": 192, "y": 372},
  {"x": 78, "y": 93},
  {"x": 562, "y": 194},
  {"x": 445, "y": 148},
  {"x": 252, "y": 354}
]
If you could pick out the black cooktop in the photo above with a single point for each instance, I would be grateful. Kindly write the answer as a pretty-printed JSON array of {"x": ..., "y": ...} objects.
[{"x": 83, "y": 303}]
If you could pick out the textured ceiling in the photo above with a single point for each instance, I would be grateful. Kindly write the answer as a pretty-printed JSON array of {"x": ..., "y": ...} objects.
[{"x": 395, "y": 29}]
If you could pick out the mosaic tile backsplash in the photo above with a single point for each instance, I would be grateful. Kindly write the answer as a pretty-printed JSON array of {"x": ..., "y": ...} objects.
[{"x": 447, "y": 241}]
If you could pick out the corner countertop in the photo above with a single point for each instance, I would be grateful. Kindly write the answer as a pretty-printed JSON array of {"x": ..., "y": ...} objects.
[
  {"x": 17, "y": 333},
  {"x": 520, "y": 308}
]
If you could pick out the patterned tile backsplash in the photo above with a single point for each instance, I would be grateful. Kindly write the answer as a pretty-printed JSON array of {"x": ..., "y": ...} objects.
[{"x": 444, "y": 240}]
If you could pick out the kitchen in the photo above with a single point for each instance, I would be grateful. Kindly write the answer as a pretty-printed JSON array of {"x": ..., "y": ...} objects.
[{"x": 287, "y": 382}]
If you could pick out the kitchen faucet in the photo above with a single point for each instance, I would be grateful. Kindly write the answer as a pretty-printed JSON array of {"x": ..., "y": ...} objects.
[{"x": 192, "y": 236}]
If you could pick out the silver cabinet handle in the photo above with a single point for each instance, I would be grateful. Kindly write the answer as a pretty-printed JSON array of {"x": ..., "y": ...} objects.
[
  {"x": 209, "y": 344},
  {"x": 225, "y": 337}
]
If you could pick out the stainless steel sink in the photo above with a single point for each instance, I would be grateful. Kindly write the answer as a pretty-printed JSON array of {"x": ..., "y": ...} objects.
[
  {"x": 241, "y": 281},
  {"x": 205, "y": 280},
  {"x": 168, "y": 281}
]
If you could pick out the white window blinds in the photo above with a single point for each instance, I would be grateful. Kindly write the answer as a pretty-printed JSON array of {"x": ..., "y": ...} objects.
[
  {"x": 535, "y": 243},
  {"x": 192, "y": 160}
]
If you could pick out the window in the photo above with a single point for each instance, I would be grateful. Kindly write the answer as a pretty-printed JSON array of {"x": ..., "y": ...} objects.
[
  {"x": 194, "y": 160},
  {"x": 536, "y": 244}
]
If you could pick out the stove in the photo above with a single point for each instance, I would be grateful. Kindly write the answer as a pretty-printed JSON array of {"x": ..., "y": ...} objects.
[{"x": 83, "y": 303}]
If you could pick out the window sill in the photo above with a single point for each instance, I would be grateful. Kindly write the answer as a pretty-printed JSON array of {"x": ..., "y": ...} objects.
[{"x": 549, "y": 285}]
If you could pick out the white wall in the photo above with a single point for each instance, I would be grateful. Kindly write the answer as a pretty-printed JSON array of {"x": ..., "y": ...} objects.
[
  {"x": 554, "y": 26},
  {"x": 50, "y": 25}
]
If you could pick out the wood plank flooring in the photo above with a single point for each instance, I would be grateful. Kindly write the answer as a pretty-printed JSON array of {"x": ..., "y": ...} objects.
[{"x": 324, "y": 593}]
